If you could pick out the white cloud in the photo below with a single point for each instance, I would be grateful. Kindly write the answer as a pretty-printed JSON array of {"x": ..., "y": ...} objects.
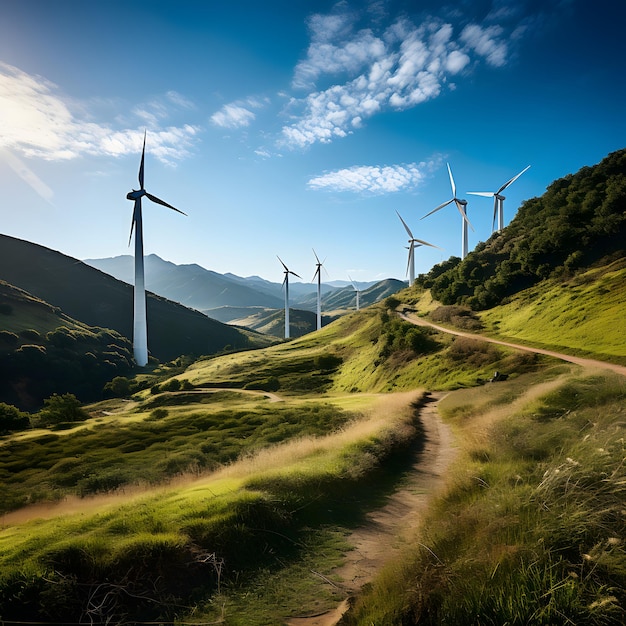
[
  {"x": 238, "y": 114},
  {"x": 487, "y": 42},
  {"x": 376, "y": 179},
  {"x": 233, "y": 116},
  {"x": 37, "y": 121},
  {"x": 398, "y": 68}
]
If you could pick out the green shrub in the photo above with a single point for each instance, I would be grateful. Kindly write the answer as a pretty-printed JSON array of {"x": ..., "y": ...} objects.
[
  {"x": 11, "y": 418},
  {"x": 64, "y": 408}
]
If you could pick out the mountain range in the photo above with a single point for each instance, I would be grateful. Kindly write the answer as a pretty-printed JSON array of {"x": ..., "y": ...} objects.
[
  {"x": 206, "y": 290},
  {"x": 93, "y": 297}
]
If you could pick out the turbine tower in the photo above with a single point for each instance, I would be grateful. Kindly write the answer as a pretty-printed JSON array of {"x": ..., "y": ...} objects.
[
  {"x": 357, "y": 292},
  {"x": 461, "y": 205},
  {"x": 286, "y": 284},
  {"x": 140, "y": 329},
  {"x": 318, "y": 273},
  {"x": 413, "y": 243},
  {"x": 498, "y": 200}
]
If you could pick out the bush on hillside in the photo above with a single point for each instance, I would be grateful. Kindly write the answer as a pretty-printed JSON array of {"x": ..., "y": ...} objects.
[
  {"x": 579, "y": 220},
  {"x": 64, "y": 408},
  {"x": 11, "y": 418}
]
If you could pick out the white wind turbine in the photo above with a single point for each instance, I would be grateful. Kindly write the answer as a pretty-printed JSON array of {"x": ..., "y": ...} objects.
[
  {"x": 357, "y": 292},
  {"x": 461, "y": 205},
  {"x": 286, "y": 284},
  {"x": 413, "y": 243},
  {"x": 140, "y": 329},
  {"x": 318, "y": 273},
  {"x": 498, "y": 200}
]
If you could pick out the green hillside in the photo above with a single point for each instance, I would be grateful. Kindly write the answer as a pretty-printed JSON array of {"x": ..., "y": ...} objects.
[
  {"x": 227, "y": 493},
  {"x": 43, "y": 351},
  {"x": 580, "y": 220},
  {"x": 97, "y": 299}
]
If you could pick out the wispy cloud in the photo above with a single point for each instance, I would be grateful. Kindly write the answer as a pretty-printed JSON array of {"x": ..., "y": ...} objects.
[
  {"x": 237, "y": 114},
  {"x": 376, "y": 179},
  {"x": 36, "y": 120},
  {"x": 398, "y": 68}
]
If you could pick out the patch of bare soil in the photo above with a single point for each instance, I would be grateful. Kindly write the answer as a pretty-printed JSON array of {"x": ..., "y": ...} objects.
[{"x": 389, "y": 529}]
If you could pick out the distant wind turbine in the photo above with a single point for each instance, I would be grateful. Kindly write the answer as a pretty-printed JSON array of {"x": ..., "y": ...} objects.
[
  {"x": 318, "y": 273},
  {"x": 140, "y": 330},
  {"x": 461, "y": 205},
  {"x": 498, "y": 200},
  {"x": 413, "y": 243},
  {"x": 357, "y": 292},
  {"x": 286, "y": 284}
]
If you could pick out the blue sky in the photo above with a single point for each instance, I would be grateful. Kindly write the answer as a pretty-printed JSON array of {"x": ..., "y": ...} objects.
[{"x": 279, "y": 127}]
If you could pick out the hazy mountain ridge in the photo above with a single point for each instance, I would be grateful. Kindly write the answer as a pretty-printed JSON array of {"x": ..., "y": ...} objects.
[
  {"x": 203, "y": 289},
  {"x": 97, "y": 299}
]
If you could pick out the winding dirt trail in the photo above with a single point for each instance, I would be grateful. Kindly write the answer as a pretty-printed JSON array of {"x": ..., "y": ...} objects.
[
  {"x": 619, "y": 369},
  {"x": 389, "y": 529}
]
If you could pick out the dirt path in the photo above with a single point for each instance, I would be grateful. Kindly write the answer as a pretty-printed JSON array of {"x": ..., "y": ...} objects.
[
  {"x": 620, "y": 369},
  {"x": 389, "y": 529}
]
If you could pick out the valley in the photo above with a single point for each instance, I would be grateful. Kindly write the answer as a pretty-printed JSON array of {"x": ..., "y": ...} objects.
[{"x": 364, "y": 473}]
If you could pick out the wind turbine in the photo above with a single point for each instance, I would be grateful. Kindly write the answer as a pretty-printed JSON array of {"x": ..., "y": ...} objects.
[
  {"x": 413, "y": 243},
  {"x": 461, "y": 205},
  {"x": 318, "y": 273},
  {"x": 140, "y": 330},
  {"x": 498, "y": 200},
  {"x": 357, "y": 292},
  {"x": 286, "y": 284}
]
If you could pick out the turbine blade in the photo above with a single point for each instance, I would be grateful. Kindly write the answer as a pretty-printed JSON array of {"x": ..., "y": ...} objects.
[
  {"x": 408, "y": 230},
  {"x": 463, "y": 215},
  {"x": 439, "y": 207},
  {"x": 425, "y": 243},
  {"x": 159, "y": 201},
  {"x": 281, "y": 261},
  {"x": 317, "y": 271},
  {"x": 298, "y": 275},
  {"x": 143, "y": 155},
  {"x": 486, "y": 194},
  {"x": 136, "y": 209},
  {"x": 512, "y": 180},
  {"x": 451, "y": 180},
  {"x": 495, "y": 212},
  {"x": 316, "y": 257}
]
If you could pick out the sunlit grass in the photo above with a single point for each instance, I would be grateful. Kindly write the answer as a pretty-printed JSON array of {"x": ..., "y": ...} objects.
[
  {"x": 585, "y": 314},
  {"x": 531, "y": 529},
  {"x": 243, "y": 512}
]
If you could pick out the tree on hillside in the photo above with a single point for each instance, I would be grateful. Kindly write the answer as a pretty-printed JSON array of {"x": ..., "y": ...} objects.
[
  {"x": 579, "y": 220},
  {"x": 11, "y": 418},
  {"x": 62, "y": 408}
]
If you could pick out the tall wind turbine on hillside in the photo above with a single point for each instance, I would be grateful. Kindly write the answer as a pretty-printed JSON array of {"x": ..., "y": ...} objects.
[
  {"x": 286, "y": 285},
  {"x": 318, "y": 273},
  {"x": 357, "y": 292},
  {"x": 461, "y": 205},
  {"x": 413, "y": 243},
  {"x": 498, "y": 200},
  {"x": 140, "y": 328}
]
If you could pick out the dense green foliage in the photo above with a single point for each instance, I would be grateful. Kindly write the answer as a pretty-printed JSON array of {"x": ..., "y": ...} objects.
[
  {"x": 64, "y": 360},
  {"x": 580, "y": 219},
  {"x": 11, "y": 418}
]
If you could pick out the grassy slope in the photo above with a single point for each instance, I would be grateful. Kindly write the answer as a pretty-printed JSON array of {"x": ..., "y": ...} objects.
[
  {"x": 374, "y": 358},
  {"x": 584, "y": 315}
]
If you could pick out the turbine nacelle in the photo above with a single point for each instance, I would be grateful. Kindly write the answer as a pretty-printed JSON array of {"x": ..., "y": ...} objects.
[{"x": 135, "y": 194}]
